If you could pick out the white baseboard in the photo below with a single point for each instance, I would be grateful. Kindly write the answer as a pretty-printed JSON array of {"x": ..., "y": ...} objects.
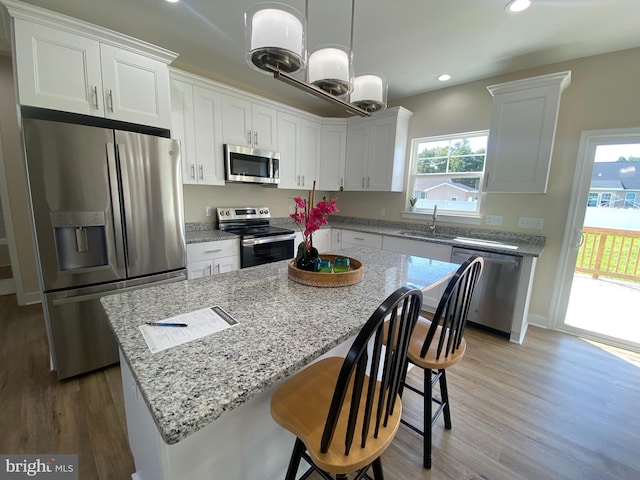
[
  {"x": 31, "y": 298},
  {"x": 538, "y": 321}
]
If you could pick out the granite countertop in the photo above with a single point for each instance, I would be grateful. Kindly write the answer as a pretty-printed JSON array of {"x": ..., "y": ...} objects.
[
  {"x": 283, "y": 327},
  {"x": 527, "y": 245},
  {"x": 208, "y": 236}
]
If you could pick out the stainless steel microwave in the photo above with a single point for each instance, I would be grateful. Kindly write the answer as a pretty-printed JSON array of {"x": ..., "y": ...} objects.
[{"x": 250, "y": 165}]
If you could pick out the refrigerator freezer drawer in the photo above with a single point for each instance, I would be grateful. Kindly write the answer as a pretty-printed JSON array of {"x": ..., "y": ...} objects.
[
  {"x": 80, "y": 336},
  {"x": 82, "y": 340}
]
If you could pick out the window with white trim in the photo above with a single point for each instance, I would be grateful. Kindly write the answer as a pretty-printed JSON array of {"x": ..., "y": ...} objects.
[
  {"x": 605, "y": 200},
  {"x": 592, "y": 201},
  {"x": 630, "y": 200},
  {"x": 448, "y": 171}
]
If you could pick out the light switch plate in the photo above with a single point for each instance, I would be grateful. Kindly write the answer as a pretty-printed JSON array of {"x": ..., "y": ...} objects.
[
  {"x": 493, "y": 219},
  {"x": 532, "y": 223}
]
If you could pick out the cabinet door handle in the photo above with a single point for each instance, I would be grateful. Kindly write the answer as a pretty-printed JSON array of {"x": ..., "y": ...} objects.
[
  {"x": 486, "y": 180},
  {"x": 362, "y": 182},
  {"x": 218, "y": 268},
  {"x": 303, "y": 180},
  {"x": 193, "y": 171},
  {"x": 249, "y": 137},
  {"x": 95, "y": 96},
  {"x": 201, "y": 173},
  {"x": 368, "y": 182},
  {"x": 255, "y": 138},
  {"x": 214, "y": 251},
  {"x": 358, "y": 238},
  {"x": 110, "y": 96},
  {"x": 210, "y": 270}
]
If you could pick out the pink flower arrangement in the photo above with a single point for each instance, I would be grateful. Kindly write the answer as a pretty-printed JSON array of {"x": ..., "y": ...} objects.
[{"x": 312, "y": 218}]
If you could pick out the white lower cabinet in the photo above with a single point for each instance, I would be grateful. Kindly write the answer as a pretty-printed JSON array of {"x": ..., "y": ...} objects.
[
  {"x": 322, "y": 240},
  {"x": 428, "y": 250},
  {"x": 361, "y": 239},
  {"x": 212, "y": 258},
  {"x": 336, "y": 239}
]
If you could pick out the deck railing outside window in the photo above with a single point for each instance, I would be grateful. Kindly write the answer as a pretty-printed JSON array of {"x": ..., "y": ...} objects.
[{"x": 610, "y": 253}]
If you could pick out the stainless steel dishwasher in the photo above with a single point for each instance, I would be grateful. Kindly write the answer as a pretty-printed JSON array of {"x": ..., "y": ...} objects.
[{"x": 495, "y": 295}]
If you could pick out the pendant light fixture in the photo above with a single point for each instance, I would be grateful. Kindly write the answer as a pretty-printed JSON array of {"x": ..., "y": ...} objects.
[
  {"x": 330, "y": 67},
  {"x": 369, "y": 89},
  {"x": 369, "y": 92},
  {"x": 275, "y": 37}
]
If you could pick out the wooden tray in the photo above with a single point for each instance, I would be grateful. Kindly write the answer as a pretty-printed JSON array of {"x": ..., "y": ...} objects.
[{"x": 318, "y": 279}]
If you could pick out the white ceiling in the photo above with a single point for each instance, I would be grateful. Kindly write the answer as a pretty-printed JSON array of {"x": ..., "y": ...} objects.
[{"x": 410, "y": 42}]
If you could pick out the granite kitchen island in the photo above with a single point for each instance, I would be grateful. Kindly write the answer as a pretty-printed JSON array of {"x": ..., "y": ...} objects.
[{"x": 201, "y": 410}]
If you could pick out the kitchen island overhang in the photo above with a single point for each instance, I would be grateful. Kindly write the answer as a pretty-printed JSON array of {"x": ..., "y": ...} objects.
[{"x": 283, "y": 326}]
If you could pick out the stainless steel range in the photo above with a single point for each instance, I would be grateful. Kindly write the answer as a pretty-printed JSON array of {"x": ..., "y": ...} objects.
[{"x": 260, "y": 242}]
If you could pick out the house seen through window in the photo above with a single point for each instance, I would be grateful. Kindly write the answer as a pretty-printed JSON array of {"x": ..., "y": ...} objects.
[{"x": 448, "y": 171}]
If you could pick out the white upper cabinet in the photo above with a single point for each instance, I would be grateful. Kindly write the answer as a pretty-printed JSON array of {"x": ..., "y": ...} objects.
[
  {"x": 208, "y": 135},
  {"x": 58, "y": 70},
  {"x": 136, "y": 88},
  {"x": 333, "y": 154},
  {"x": 309, "y": 152},
  {"x": 196, "y": 120},
  {"x": 299, "y": 148},
  {"x": 523, "y": 124},
  {"x": 248, "y": 124},
  {"x": 72, "y": 66},
  {"x": 289, "y": 149},
  {"x": 183, "y": 129},
  {"x": 376, "y": 151}
]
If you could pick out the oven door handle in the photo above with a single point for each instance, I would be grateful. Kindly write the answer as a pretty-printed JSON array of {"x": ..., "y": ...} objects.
[{"x": 259, "y": 241}]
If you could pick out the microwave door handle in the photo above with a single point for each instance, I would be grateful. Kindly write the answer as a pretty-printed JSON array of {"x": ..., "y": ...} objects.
[{"x": 118, "y": 240}]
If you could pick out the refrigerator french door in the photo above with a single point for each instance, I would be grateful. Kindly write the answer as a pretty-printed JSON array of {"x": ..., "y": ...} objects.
[{"x": 108, "y": 215}]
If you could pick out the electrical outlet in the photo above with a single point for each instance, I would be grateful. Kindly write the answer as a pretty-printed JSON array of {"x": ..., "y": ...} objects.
[
  {"x": 292, "y": 209},
  {"x": 493, "y": 219},
  {"x": 382, "y": 212},
  {"x": 208, "y": 211},
  {"x": 532, "y": 223}
]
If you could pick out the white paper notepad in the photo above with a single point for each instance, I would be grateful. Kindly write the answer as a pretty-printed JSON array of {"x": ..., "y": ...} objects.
[{"x": 200, "y": 324}]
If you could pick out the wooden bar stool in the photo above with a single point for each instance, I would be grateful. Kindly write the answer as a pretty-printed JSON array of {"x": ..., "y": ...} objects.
[
  {"x": 438, "y": 343},
  {"x": 336, "y": 400}
]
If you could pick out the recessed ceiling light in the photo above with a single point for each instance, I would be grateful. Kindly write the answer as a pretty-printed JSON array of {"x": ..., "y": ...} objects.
[
  {"x": 172, "y": 1},
  {"x": 515, "y": 6},
  {"x": 444, "y": 77}
]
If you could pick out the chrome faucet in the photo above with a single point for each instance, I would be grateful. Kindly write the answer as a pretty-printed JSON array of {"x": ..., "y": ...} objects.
[{"x": 432, "y": 225}]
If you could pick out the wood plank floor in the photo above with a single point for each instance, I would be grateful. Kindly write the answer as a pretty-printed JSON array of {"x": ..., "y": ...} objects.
[{"x": 556, "y": 407}]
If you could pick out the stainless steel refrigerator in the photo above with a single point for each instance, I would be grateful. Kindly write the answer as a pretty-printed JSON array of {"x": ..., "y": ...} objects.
[{"x": 108, "y": 217}]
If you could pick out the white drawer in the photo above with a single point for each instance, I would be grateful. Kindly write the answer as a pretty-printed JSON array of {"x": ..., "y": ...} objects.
[
  {"x": 210, "y": 250},
  {"x": 372, "y": 240}
]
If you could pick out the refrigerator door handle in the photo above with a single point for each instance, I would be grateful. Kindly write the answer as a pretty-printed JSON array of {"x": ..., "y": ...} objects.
[
  {"x": 115, "y": 206},
  {"x": 97, "y": 295}
]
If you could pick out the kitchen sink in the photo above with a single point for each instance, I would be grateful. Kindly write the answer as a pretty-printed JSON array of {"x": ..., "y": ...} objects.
[{"x": 484, "y": 243}]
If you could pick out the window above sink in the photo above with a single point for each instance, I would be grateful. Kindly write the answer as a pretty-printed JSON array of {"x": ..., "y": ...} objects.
[{"x": 448, "y": 171}]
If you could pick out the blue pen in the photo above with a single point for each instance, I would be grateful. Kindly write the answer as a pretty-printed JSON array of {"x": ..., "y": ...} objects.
[{"x": 160, "y": 324}]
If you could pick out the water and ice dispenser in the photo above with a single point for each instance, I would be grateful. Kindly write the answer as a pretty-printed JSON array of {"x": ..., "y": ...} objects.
[{"x": 81, "y": 239}]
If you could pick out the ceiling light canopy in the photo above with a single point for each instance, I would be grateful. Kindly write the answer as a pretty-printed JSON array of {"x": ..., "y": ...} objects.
[{"x": 275, "y": 43}]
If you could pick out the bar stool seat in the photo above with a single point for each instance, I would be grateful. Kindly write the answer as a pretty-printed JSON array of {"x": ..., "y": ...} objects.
[{"x": 346, "y": 411}]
